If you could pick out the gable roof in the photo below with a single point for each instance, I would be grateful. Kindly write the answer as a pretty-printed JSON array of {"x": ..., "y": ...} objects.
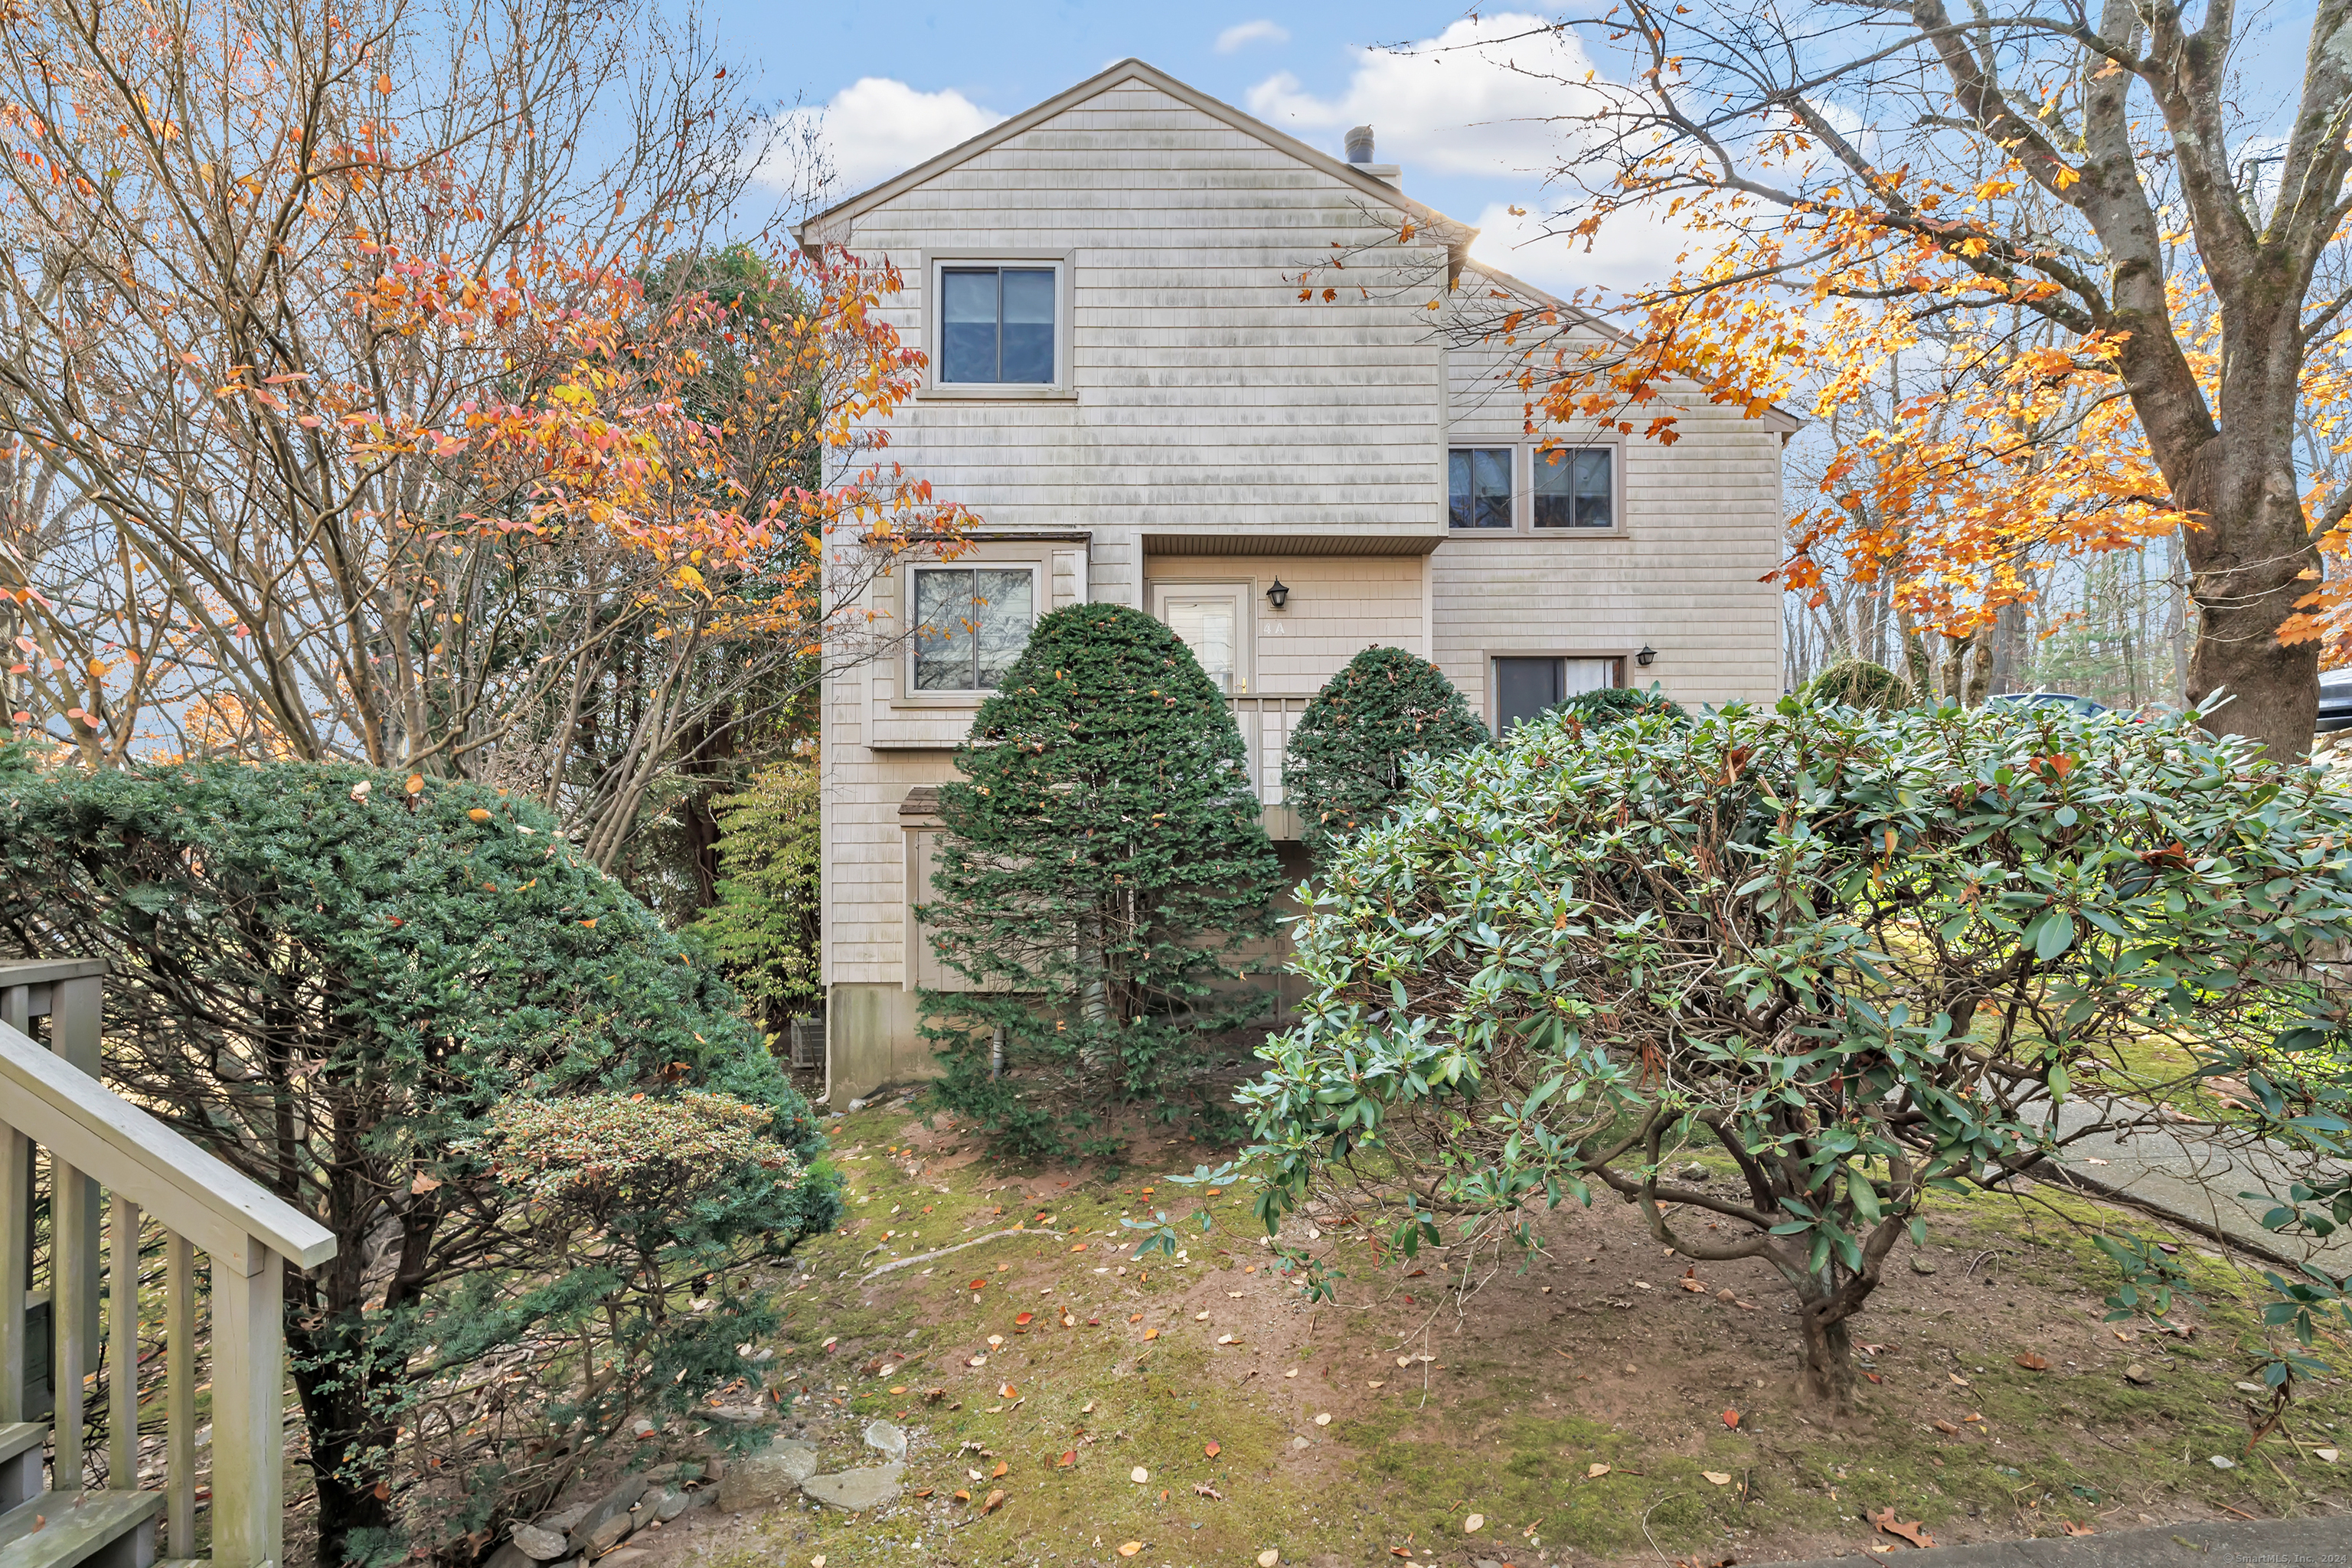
[{"x": 833, "y": 221}]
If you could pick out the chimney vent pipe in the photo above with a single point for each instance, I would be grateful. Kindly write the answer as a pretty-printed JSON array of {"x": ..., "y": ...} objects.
[{"x": 1359, "y": 144}]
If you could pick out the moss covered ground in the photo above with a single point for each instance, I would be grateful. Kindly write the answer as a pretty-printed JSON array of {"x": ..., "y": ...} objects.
[{"x": 1602, "y": 1405}]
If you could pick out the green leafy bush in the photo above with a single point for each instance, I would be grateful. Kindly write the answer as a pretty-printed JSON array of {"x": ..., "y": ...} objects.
[
  {"x": 357, "y": 992},
  {"x": 766, "y": 929},
  {"x": 1100, "y": 882},
  {"x": 1858, "y": 683},
  {"x": 1345, "y": 761},
  {"x": 1857, "y": 956},
  {"x": 1615, "y": 704}
]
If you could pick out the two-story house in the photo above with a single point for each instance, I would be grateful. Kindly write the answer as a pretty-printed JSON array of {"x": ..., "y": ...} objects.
[{"x": 1127, "y": 387}]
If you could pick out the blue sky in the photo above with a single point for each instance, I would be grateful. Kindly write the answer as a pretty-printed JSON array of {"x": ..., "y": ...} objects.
[{"x": 898, "y": 82}]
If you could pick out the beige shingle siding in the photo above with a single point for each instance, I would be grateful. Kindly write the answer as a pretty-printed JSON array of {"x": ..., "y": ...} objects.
[{"x": 1206, "y": 395}]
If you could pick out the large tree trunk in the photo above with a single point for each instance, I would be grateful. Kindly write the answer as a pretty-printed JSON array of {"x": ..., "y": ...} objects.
[{"x": 2246, "y": 569}]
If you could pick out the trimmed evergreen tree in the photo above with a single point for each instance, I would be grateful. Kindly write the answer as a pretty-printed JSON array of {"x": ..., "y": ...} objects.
[
  {"x": 1346, "y": 755},
  {"x": 1101, "y": 881}
]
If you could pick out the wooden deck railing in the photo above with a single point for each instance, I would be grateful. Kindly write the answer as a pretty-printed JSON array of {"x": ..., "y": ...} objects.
[
  {"x": 100, "y": 1146},
  {"x": 1265, "y": 723}
]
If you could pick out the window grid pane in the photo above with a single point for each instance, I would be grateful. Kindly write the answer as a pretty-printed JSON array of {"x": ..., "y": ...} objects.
[
  {"x": 1478, "y": 487},
  {"x": 996, "y": 325},
  {"x": 969, "y": 625},
  {"x": 1573, "y": 487}
]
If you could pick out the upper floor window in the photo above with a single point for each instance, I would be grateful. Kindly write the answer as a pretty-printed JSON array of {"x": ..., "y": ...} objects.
[
  {"x": 1478, "y": 487},
  {"x": 970, "y": 624},
  {"x": 1575, "y": 487},
  {"x": 996, "y": 325}
]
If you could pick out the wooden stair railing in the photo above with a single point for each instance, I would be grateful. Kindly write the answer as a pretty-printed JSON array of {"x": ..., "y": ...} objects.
[{"x": 100, "y": 1144}]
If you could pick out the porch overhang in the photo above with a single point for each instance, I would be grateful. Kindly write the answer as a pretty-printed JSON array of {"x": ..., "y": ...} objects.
[{"x": 1402, "y": 539}]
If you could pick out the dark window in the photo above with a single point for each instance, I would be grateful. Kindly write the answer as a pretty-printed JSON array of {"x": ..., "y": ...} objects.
[
  {"x": 1478, "y": 484},
  {"x": 1525, "y": 686},
  {"x": 996, "y": 324},
  {"x": 1523, "y": 689},
  {"x": 1574, "y": 488}
]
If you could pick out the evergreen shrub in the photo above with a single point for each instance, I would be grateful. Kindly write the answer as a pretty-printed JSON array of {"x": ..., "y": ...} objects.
[
  {"x": 1856, "y": 957},
  {"x": 1346, "y": 762},
  {"x": 765, "y": 927},
  {"x": 409, "y": 1008},
  {"x": 1102, "y": 885},
  {"x": 1858, "y": 683},
  {"x": 1615, "y": 704}
]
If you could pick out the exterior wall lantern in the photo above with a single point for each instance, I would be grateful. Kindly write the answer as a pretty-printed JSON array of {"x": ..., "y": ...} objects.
[
  {"x": 1280, "y": 595},
  {"x": 1647, "y": 656}
]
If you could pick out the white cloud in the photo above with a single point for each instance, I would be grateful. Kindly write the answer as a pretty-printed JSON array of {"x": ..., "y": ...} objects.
[
  {"x": 877, "y": 127},
  {"x": 1258, "y": 32},
  {"x": 1488, "y": 96},
  {"x": 1632, "y": 250}
]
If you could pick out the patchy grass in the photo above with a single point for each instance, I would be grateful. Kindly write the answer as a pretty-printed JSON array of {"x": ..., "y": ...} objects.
[{"x": 1591, "y": 1356}]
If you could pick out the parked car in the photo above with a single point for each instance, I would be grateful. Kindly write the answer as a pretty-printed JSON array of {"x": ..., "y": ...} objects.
[
  {"x": 2066, "y": 699},
  {"x": 2335, "y": 700}
]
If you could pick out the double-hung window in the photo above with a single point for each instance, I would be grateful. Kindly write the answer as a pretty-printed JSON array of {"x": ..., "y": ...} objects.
[
  {"x": 970, "y": 624},
  {"x": 997, "y": 325},
  {"x": 1478, "y": 487},
  {"x": 1575, "y": 487},
  {"x": 1525, "y": 687}
]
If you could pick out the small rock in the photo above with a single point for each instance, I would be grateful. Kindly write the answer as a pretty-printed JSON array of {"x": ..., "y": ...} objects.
[
  {"x": 1483, "y": 1563},
  {"x": 2251, "y": 1388},
  {"x": 855, "y": 1491},
  {"x": 623, "y": 1557},
  {"x": 606, "y": 1536},
  {"x": 663, "y": 1473},
  {"x": 857, "y": 1105},
  {"x": 509, "y": 1556},
  {"x": 735, "y": 1415},
  {"x": 539, "y": 1545},
  {"x": 2220, "y": 1463},
  {"x": 566, "y": 1519},
  {"x": 887, "y": 1439},
  {"x": 1693, "y": 1174},
  {"x": 641, "y": 1428},
  {"x": 769, "y": 1476},
  {"x": 1921, "y": 1266},
  {"x": 607, "y": 1511},
  {"x": 2139, "y": 1373},
  {"x": 672, "y": 1504},
  {"x": 1298, "y": 1442}
]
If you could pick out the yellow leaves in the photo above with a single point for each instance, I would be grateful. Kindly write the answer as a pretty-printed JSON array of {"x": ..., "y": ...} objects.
[{"x": 1993, "y": 190}]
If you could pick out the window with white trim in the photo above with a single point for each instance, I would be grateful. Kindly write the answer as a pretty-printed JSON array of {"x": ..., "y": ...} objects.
[
  {"x": 1524, "y": 688},
  {"x": 970, "y": 624}
]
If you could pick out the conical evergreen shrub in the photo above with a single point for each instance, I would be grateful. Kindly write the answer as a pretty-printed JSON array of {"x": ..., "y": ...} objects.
[
  {"x": 1101, "y": 880},
  {"x": 1345, "y": 761}
]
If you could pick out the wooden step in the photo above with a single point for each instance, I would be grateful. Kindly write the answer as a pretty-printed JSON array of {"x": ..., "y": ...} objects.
[
  {"x": 81, "y": 1529},
  {"x": 19, "y": 1436},
  {"x": 21, "y": 1443}
]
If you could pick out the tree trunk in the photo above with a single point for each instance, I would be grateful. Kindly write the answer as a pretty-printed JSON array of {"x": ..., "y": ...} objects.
[
  {"x": 2244, "y": 577},
  {"x": 341, "y": 1437},
  {"x": 1826, "y": 1371}
]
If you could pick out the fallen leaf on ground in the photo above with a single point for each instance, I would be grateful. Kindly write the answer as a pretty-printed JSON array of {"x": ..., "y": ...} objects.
[
  {"x": 2071, "y": 1528},
  {"x": 1139, "y": 1475},
  {"x": 1947, "y": 1428},
  {"x": 1211, "y": 1449},
  {"x": 1474, "y": 1524},
  {"x": 1006, "y": 1391},
  {"x": 1594, "y": 1472},
  {"x": 1129, "y": 1548},
  {"x": 1717, "y": 1477},
  {"x": 995, "y": 1501},
  {"x": 1731, "y": 1418},
  {"x": 1902, "y": 1531},
  {"x": 1068, "y": 1459},
  {"x": 1324, "y": 1419},
  {"x": 1026, "y": 1317},
  {"x": 1199, "y": 1317},
  {"x": 2033, "y": 1362},
  {"x": 1268, "y": 1557},
  {"x": 1001, "y": 1467},
  {"x": 962, "y": 1496},
  {"x": 1151, "y": 1334},
  {"x": 1203, "y": 1489}
]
